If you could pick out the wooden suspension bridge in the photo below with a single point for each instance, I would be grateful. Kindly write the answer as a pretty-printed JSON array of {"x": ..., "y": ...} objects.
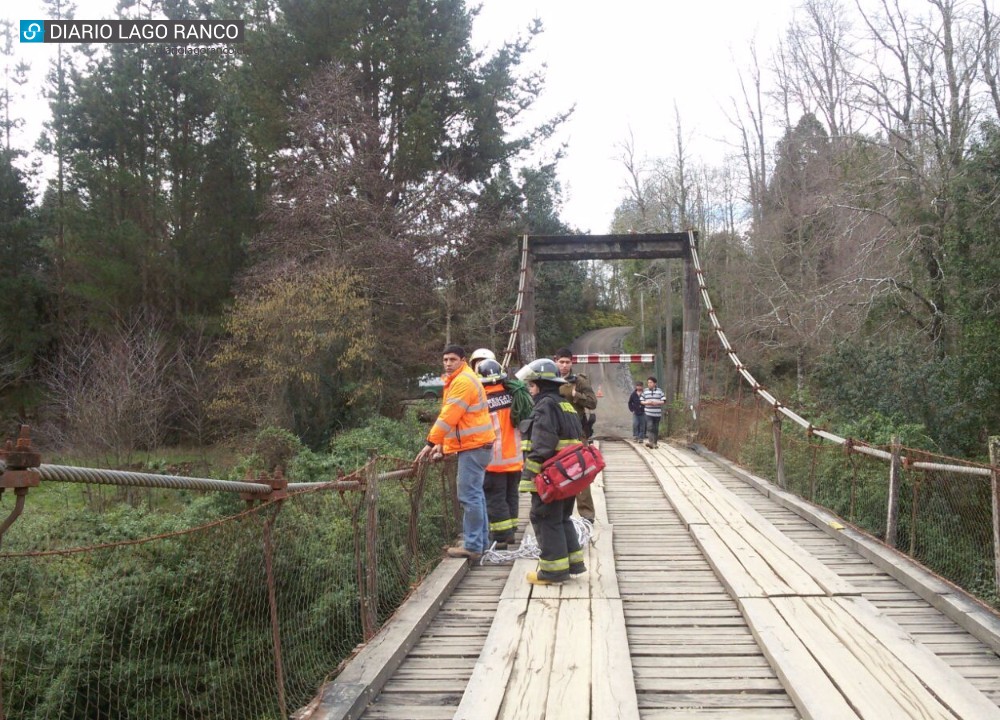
[{"x": 710, "y": 594}]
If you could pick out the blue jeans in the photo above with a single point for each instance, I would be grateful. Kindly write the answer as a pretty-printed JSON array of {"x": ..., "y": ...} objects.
[
  {"x": 653, "y": 429},
  {"x": 471, "y": 472},
  {"x": 638, "y": 426}
]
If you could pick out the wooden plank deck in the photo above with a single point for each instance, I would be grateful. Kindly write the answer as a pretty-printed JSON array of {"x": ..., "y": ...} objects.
[
  {"x": 693, "y": 653},
  {"x": 704, "y": 599},
  {"x": 974, "y": 660}
]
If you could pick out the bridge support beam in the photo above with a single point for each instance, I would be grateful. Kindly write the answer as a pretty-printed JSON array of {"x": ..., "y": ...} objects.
[
  {"x": 527, "y": 320},
  {"x": 690, "y": 384},
  {"x": 646, "y": 246}
]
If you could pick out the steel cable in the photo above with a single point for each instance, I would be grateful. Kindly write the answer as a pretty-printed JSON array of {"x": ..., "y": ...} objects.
[
  {"x": 66, "y": 473},
  {"x": 778, "y": 406}
]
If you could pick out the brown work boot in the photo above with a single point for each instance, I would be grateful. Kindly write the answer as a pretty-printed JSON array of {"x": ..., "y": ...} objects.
[{"x": 461, "y": 552}]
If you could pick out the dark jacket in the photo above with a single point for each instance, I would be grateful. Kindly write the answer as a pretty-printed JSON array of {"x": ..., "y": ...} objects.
[
  {"x": 553, "y": 425},
  {"x": 585, "y": 398},
  {"x": 635, "y": 405}
]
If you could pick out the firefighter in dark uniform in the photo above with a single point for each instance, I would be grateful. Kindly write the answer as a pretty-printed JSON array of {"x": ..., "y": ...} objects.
[
  {"x": 553, "y": 425},
  {"x": 580, "y": 392}
]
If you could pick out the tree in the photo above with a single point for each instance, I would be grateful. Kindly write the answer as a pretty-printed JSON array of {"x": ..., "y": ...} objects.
[
  {"x": 298, "y": 355},
  {"x": 423, "y": 129},
  {"x": 109, "y": 392},
  {"x": 24, "y": 326},
  {"x": 750, "y": 123},
  {"x": 925, "y": 106},
  {"x": 54, "y": 142},
  {"x": 162, "y": 193},
  {"x": 14, "y": 77},
  {"x": 817, "y": 64}
]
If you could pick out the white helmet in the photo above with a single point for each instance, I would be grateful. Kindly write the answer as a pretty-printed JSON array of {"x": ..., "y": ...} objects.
[{"x": 481, "y": 354}]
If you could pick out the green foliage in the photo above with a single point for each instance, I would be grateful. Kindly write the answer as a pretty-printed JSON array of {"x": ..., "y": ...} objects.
[
  {"x": 380, "y": 436},
  {"x": 870, "y": 379},
  {"x": 602, "y": 318},
  {"x": 877, "y": 429},
  {"x": 296, "y": 355},
  {"x": 276, "y": 447},
  {"x": 24, "y": 328},
  {"x": 117, "y": 632},
  {"x": 564, "y": 302}
]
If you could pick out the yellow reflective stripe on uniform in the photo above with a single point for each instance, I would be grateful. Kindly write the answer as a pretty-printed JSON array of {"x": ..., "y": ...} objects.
[
  {"x": 526, "y": 445},
  {"x": 567, "y": 443},
  {"x": 576, "y": 556},
  {"x": 560, "y": 565},
  {"x": 533, "y": 466},
  {"x": 568, "y": 407},
  {"x": 527, "y": 486},
  {"x": 501, "y": 525}
]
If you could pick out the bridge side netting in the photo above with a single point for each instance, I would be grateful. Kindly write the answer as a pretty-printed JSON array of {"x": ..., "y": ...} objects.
[
  {"x": 942, "y": 513},
  {"x": 171, "y": 616}
]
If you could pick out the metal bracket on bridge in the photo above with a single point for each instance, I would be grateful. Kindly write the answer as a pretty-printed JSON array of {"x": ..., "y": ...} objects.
[
  {"x": 18, "y": 473},
  {"x": 276, "y": 481}
]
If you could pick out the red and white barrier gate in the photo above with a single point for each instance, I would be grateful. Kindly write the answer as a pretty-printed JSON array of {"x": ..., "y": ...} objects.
[{"x": 595, "y": 358}]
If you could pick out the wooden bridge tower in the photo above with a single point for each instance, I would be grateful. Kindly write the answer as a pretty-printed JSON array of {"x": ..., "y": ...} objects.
[{"x": 644, "y": 246}]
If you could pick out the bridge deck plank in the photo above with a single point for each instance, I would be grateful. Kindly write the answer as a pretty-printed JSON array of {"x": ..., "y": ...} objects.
[{"x": 652, "y": 598}]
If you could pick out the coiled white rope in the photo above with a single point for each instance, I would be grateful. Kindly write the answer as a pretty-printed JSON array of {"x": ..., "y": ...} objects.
[{"x": 529, "y": 550}]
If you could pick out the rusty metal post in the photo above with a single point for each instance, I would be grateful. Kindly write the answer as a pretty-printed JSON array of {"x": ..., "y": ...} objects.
[
  {"x": 892, "y": 512},
  {"x": 369, "y": 598},
  {"x": 272, "y": 600},
  {"x": 19, "y": 475},
  {"x": 779, "y": 460},
  {"x": 279, "y": 491},
  {"x": 995, "y": 494}
]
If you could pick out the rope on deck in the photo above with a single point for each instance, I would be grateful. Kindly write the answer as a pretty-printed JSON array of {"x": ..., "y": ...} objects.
[{"x": 529, "y": 550}]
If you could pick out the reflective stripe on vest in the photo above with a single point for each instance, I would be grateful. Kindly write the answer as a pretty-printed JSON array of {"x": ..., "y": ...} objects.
[{"x": 507, "y": 456}]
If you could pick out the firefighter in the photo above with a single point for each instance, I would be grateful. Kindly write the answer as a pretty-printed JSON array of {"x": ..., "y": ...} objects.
[
  {"x": 578, "y": 390},
  {"x": 553, "y": 425},
  {"x": 504, "y": 471},
  {"x": 479, "y": 355}
]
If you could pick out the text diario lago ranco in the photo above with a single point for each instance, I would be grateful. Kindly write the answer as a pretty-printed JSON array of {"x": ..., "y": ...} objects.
[{"x": 96, "y": 31}]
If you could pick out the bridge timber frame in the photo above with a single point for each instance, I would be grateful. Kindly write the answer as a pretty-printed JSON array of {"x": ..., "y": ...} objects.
[{"x": 636, "y": 246}]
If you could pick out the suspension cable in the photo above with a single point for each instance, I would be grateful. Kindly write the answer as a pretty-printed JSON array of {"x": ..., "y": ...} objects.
[
  {"x": 512, "y": 339},
  {"x": 854, "y": 445}
]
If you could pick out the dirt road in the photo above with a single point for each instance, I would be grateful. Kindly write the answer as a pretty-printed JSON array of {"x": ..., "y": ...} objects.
[{"x": 613, "y": 417}]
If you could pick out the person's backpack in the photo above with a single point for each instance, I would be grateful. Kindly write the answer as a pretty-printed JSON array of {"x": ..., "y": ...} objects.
[{"x": 523, "y": 403}]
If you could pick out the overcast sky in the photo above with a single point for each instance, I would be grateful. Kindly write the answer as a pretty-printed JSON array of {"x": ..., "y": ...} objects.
[{"x": 624, "y": 66}]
